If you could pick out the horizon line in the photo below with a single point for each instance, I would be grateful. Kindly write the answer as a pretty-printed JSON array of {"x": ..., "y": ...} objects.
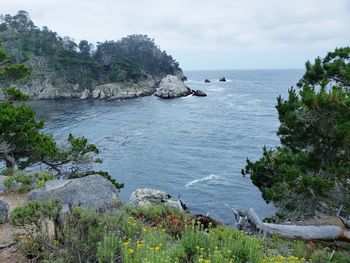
[{"x": 242, "y": 69}]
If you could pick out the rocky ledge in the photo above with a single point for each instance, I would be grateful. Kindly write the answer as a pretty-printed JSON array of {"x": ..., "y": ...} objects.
[
  {"x": 117, "y": 91},
  {"x": 172, "y": 87},
  {"x": 93, "y": 192},
  {"x": 147, "y": 196}
]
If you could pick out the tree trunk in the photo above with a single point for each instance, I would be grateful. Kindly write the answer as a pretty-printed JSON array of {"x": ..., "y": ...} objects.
[
  {"x": 332, "y": 229},
  {"x": 6, "y": 154},
  {"x": 10, "y": 161}
]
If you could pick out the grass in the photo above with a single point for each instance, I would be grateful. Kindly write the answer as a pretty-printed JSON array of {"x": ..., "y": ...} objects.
[
  {"x": 156, "y": 234},
  {"x": 23, "y": 182}
]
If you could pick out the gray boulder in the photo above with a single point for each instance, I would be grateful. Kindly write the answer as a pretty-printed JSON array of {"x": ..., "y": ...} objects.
[
  {"x": 147, "y": 196},
  {"x": 96, "y": 94},
  {"x": 172, "y": 87},
  {"x": 199, "y": 93},
  {"x": 85, "y": 95},
  {"x": 4, "y": 210},
  {"x": 93, "y": 192}
]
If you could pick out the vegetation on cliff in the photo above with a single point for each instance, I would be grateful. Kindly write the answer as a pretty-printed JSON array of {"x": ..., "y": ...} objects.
[
  {"x": 152, "y": 234},
  {"x": 310, "y": 171},
  {"x": 62, "y": 62},
  {"x": 22, "y": 144}
]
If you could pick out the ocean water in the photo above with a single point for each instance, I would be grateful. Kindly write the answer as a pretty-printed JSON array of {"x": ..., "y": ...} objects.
[{"x": 192, "y": 147}]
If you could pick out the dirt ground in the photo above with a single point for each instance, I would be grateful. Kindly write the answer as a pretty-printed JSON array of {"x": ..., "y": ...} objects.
[{"x": 10, "y": 254}]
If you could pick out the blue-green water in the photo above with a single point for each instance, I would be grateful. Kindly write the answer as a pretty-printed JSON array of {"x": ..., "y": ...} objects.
[{"x": 193, "y": 147}]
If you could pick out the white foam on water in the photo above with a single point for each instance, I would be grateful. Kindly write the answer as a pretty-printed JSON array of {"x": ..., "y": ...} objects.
[
  {"x": 217, "y": 89},
  {"x": 207, "y": 178}
]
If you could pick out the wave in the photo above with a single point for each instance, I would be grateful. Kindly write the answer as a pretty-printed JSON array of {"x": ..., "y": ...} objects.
[
  {"x": 207, "y": 178},
  {"x": 217, "y": 89},
  {"x": 192, "y": 81}
]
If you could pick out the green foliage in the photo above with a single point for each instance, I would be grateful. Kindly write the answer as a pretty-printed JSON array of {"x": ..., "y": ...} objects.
[
  {"x": 22, "y": 143},
  {"x": 313, "y": 164},
  {"x": 108, "y": 249},
  {"x": 36, "y": 249},
  {"x": 33, "y": 216},
  {"x": 14, "y": 94},
  {"x": 12, "y": 73},
  {"x": 23, "y": 182},
  {"x": 127, "y": 60},
  {"x": 9, "y": 72},
  {"x": 165, "y": 217},
  {"x": 334, "y": 67},
  {"x": 107, "y": 176},
  {"x": 36, "y": 217},
  {"x": 131, "y": 236},
  {"x": 19, "y": 132},
  {"x": 143, "y": 51},
  {"x": 7, "y": 171},
  {"x": 74, "y": 159}
]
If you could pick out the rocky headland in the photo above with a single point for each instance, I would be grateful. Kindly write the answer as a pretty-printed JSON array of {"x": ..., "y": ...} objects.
[{"x": 131, "y": 67}]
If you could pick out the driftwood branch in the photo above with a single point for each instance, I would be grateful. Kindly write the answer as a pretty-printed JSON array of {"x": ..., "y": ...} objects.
[{"x": 331, "y": 229}]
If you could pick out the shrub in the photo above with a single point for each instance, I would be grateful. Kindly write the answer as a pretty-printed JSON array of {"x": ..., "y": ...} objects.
[{"x": 24, "y": 182}]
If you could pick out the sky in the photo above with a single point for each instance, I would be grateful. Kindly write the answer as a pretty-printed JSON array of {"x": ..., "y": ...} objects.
[{"x": 205, "y": 34}]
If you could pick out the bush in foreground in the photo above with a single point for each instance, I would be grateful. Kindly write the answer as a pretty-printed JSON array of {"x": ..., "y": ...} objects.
[
  {"x": 131, "y": 235},
  {"x": 310, "y": 171}
]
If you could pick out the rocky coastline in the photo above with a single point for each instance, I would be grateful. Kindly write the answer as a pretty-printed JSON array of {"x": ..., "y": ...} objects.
[{"x": 170, "y": 86}]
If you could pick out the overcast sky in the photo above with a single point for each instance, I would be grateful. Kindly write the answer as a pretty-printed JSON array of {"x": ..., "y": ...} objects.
[{"x": 205, "y": 34}]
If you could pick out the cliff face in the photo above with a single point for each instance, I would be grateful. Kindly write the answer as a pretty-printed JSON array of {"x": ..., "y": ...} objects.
[{"x": 60, "y": 68}]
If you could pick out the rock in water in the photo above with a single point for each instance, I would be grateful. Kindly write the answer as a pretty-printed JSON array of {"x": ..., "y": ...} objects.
[
  {"x": 93, "y": 192},
  {"x": 172, "y": 87},
  {"x": 222, "y": 79},
  {"x": 147, "y": 196},
  {"x": 4, "y": 210},
  {"x": 96, "y": 94},
  {"x": 85, "y": 95},
  {"x": 199, "y": 93},
  {"x": 207, "y": 81}
]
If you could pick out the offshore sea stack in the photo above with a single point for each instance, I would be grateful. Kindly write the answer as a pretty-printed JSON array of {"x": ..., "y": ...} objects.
[{"x": 172, "y": 87}]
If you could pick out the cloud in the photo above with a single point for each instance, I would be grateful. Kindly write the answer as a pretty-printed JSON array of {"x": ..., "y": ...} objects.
[{"x": 199, "y": 25}]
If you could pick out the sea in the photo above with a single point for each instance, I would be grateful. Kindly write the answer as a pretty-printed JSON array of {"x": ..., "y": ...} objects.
[{"x": 192, "y": 147}]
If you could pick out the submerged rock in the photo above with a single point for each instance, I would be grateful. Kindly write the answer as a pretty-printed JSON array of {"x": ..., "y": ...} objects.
[
  {"x": 147, "y": 196},
  {"x": 4, "y": 209},
  {"x": 199, "y": 93},
  {"x": 222, "y": 79},
  {"x": 207, "y": 81},
  {"x": 172, "y": 87},
  {"x": 92, "y": 192}
]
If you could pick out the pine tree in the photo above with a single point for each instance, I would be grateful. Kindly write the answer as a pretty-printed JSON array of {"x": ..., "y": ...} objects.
[{"x": 310, "y": 171}]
